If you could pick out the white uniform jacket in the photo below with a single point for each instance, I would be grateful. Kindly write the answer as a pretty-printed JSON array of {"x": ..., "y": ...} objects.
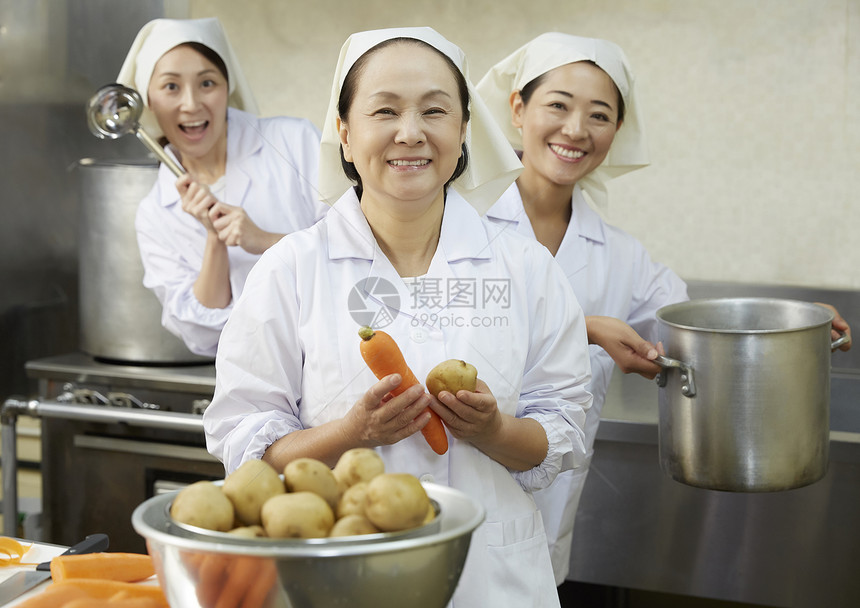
[
  {"x": 612, "y": 275},
  {"x": 289, "y": 359},
  {"x": 271, "y": 173}
]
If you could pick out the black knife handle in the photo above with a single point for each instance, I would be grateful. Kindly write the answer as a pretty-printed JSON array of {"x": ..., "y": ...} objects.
[{"x": 91, "y": 544}]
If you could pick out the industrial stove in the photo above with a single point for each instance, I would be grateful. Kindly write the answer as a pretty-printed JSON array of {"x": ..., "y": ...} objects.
[{"x": 113, "y": 435}]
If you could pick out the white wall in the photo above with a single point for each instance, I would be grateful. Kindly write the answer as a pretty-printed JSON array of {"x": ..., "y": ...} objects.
[{"x": 755, "y": 152}]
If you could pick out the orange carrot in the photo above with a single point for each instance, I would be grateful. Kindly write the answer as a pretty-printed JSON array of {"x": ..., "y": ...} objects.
[
  {"x": 54, "y": 597},
  {"x": 260, "y": 593},
  {"x": 246, "y": 573},
  {"x": 124, "y": 599},
  {"x": 125, "y": 567},
  {"x": 235, "y": 581},
  {"x": 211, "y": 578},
  {"x": 384, "y": 357},
  {"x": 117, "y": 601},
  {"x": 105, "y": 589}
]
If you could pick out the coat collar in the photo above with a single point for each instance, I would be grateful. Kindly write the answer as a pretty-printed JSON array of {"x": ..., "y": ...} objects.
[
  {"x": 464, "y": 235},
  {"x": 585, "y": 220},
  {"x": 244, "y": 140}
]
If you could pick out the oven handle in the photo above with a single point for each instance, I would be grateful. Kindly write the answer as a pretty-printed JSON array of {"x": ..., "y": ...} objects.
[
  {"x": 12, "y": 408},
  {"x": 155, "y": 419}
]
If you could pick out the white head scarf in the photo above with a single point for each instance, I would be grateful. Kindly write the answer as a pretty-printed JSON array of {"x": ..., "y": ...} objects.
[
  {"x": 493, "y": 166},
  {"x": 547, "y": 52},
  {"x": 161, "y": 35}
]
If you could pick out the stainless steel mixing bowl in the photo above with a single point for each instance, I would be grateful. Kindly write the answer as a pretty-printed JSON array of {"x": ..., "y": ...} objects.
[
  {"x": 190, "y": 531},
  {"x": 419, "y": 572}
]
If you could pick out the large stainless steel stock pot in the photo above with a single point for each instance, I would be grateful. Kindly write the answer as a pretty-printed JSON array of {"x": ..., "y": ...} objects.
[
  {"x": 744, "y": 395},
  {"x": 120, "y": 319}
]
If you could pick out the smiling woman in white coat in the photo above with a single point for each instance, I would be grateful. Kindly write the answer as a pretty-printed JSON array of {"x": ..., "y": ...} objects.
[
  {"x": 248, "y": 180},
  {"x": 405, "y": 248},
  {"x": 568, "y": 105}
]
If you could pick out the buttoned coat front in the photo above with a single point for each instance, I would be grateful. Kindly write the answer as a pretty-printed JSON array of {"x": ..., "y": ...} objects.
[{"x": 289, "y": 359}]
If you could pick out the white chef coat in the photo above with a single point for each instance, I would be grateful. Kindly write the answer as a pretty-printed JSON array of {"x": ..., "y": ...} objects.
[
  {"x": 289, "y": 359},
  {"x": 612, "y": 275},
  {"x": 271, "y": 173}
]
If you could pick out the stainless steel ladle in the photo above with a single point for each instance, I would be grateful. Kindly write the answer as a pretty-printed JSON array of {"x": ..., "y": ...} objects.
[{"x": 115, "y": 111}]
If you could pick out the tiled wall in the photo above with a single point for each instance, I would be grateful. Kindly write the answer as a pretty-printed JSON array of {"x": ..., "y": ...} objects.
[{"x": 748, "y": 104}]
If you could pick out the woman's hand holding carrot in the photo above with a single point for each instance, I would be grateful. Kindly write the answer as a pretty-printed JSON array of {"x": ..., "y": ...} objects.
[
  {"x": 384, "y": 358},
  {"x": 381, "y": 418}
]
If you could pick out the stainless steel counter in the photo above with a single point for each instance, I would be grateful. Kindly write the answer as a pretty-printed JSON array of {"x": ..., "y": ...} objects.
[
  {"x": 638, "y": 528},
  {"x": 81, "y": 368}
]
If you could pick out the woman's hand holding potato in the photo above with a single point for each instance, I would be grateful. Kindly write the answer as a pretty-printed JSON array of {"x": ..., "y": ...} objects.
[
  {"x": 472, "y": 416},
  {"x": 470, "y": 410}
]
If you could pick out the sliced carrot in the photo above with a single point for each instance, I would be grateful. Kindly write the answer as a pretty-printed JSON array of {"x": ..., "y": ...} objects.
[
  {"x": 125, "y": 567},
  {"x": 54, "y": 597},
  {"x": 384, "y": 357},
  {"x": 105, "y": 589},
  {"x": 123, "y": 602},
  {"x": 11, "y": 552},
  {"x": 125, "y": 596},
  {"x": 133, "y": 602},
  {"x": 86, "y": 602}
]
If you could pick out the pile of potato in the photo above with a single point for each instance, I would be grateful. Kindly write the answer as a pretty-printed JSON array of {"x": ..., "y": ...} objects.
[{"x": 311, "y": 501}]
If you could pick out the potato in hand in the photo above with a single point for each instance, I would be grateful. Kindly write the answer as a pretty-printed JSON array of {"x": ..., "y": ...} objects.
[{"x": 452, "y": 375}]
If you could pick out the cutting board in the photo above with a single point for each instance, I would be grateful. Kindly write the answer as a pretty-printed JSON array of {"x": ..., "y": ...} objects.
[{"x": 36, "y": 554}]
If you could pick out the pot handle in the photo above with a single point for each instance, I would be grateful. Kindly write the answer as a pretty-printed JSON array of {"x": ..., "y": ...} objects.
[
  {"x": 688, "y": 381},
  {"x": 843, "y": 339}
]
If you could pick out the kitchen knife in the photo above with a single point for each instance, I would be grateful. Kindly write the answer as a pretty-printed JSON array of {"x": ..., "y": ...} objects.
[{"x": 21, "y": 582}]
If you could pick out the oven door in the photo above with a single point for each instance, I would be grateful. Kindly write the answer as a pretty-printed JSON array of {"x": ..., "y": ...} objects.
[{"x": 94, "y": 475}]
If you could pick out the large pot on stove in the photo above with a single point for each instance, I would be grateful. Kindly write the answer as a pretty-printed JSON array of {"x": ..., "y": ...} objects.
[
  {"x": 120, "y": 319},
  {"x": 744, "y": 395}
]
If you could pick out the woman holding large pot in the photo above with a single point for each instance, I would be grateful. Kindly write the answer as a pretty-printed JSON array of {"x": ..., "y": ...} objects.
[
  {"x": 561, "y": 101},
  {"x": 568, "y": 104},
  {"x": 248, "y": 180},
  {"x": 424, "y": 163}
]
